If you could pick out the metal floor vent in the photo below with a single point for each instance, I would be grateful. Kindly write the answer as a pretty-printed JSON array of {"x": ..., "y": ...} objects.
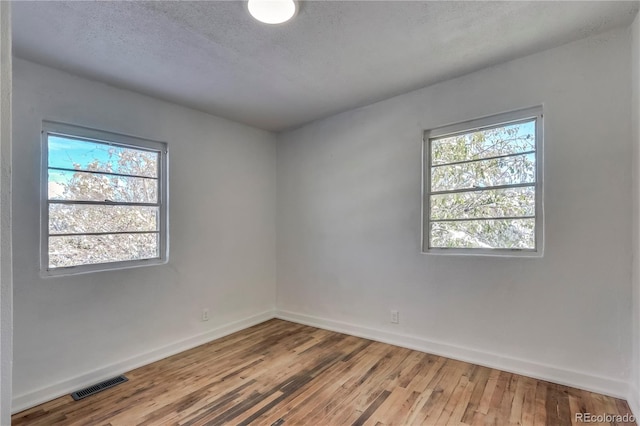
[{"x": 83, "y": 393}]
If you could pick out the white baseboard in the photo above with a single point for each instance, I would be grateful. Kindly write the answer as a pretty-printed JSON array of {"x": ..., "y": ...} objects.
[
  {"x": 581, "y": 380},
  {"x": 562, "y": 376},
  {"x": 633, "y": 399},
  {"x": 31, "y": 399}
]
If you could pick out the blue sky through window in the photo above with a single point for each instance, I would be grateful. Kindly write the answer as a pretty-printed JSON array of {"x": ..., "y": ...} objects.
[{"x": 70, "y": 153}]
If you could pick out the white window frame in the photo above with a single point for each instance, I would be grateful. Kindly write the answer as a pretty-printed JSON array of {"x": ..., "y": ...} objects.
[
  {"x": 498, "y": 120},
  {"x": 113, "y": 139}
]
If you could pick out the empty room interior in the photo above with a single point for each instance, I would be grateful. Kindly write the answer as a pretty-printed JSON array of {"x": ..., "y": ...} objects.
[{"x": 282, "y": 212}]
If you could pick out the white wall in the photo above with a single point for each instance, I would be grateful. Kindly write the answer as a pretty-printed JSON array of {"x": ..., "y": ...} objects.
[
  {"x": 6, "y": 298},
  {"x": 634, "y": 395},
  {"x": 349, "y": 223},
  {"x": 348, "y": 249},
  {"x": 70, "y": 330}
]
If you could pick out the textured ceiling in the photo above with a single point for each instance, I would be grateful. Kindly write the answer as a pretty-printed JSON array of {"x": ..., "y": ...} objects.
[{"x": 210, "y": 55}]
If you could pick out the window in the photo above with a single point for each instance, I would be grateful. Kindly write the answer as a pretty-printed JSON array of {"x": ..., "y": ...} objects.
[
  {"x": 104, "y": 200},
  {"x": 483, "y": 186}
]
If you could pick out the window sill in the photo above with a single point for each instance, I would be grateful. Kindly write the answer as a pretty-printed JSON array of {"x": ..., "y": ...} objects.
[
  {"x": 100, "y": 267},
  {"x": 509, "y": 253}
]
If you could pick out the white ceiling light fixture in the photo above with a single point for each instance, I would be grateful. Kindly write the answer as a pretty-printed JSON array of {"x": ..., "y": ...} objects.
[{"x": 272, "y": 11}]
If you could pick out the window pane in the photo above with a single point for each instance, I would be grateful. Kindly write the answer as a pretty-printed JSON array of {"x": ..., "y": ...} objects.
[
  {"x": 510, "y": 139},
  {"x": 81, "y": 186},
  {"x": 489, "y": 234},
  {"x": 78, "y": 154},
  {"x": 91, "y": 249},
  {"x": 485, "y": 173},
  {"x": 490, "y": 203},
  {"x": 82, "y": 218}
]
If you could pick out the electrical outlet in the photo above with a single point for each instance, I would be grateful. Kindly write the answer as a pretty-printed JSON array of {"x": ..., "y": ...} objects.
[
  {"x": 205, "y": 314},
  {"x": 395, "y": 317}
]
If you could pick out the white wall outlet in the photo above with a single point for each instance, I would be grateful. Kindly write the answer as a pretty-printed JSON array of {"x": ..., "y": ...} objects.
[
  {"x": 395, "y": 317},
  {"x": 205, "y": 314}
]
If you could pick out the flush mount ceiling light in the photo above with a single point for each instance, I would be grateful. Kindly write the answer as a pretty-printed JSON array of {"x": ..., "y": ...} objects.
[{"x": 272, "y": 11}]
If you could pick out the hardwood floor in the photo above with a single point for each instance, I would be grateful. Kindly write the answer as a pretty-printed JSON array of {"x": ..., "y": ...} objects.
[{"x": 280, "y": 373}]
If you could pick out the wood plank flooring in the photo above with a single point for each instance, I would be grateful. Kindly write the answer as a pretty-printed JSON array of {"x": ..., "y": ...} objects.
[{"x": 280, "y": 373}]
